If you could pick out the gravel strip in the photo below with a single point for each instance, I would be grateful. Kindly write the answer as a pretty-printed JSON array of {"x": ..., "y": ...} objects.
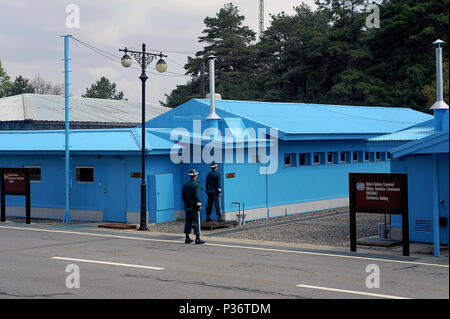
[{"x": 327, "y": 230}]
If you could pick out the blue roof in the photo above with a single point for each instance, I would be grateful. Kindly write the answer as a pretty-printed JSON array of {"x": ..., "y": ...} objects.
[
  {"x": 305, "y": 118},
  {"x": 413, "y": 133},
  {"x": 435, "y": 143},
  {"x": 81, "y": 140}
]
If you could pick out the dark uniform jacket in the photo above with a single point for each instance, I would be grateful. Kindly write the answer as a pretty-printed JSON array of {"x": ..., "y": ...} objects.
[
  {"x": 213, "y": 182},
  {"x": 191, "y": 195}
]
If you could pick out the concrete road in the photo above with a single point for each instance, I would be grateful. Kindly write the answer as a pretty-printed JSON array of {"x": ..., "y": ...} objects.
[{"x": 131, "y": 264}]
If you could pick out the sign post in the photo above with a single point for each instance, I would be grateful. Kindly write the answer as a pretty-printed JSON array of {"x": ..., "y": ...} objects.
[
  {"x": 379, "y": 194},
  {"x": 15, "y": 181}
]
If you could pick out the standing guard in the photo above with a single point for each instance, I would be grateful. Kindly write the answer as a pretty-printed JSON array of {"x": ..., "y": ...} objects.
[
  {"x": 214, "y": 192},
  {"x": 192, "y": 207}
]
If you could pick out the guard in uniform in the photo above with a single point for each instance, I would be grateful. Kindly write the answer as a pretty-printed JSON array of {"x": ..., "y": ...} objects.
[
  {"x": 214, "y": 192},
  {"x": 192, "y": 207}
]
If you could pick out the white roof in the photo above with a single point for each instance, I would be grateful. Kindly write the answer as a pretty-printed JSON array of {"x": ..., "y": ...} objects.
[{"x": 41, "y": 107}]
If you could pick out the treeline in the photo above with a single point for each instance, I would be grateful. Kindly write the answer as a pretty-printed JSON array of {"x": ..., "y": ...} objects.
[
  {"x": 327, "y": 55},
  {"x": 22, "y": 85},
  {"x": 101, "y": 89}
]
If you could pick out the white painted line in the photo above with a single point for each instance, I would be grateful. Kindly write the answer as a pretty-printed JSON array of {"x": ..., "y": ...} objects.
[
  {"x": 229, "y": 246},
  {"x": 362, "y": 293},
  {"x": 107, "y": 263},
  {"x": 329, "y": 255}
]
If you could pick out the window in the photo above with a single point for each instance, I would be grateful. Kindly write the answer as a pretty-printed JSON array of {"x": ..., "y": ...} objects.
[
  {"x": 344, "y": 158},
  {"x": 304, "y": 159},
  {"x": 318, "y": 158},
  {"x": 330, "y": 158},
  {"x": 289, "y": 160},
  {"x": 333, "y": 158},
  {"x": 368, "y": 157},
  {"x": 388, "y": 156},
  {"x": 35, "y": 173},
  {"x": 378, "y": 156},
  {"x": 355, "y": 157},
  {"x": 84, "y": 174}
]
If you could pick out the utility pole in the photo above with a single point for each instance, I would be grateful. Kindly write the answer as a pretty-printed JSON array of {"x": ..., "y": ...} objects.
[
  {"x": 202, "y": 80},
  {"x": 67, "y": 218}
]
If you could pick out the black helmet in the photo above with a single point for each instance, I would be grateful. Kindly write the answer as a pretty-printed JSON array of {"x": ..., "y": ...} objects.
[
  {"x": 213, "y": 165},
  {"x": 193, "y": 173}
]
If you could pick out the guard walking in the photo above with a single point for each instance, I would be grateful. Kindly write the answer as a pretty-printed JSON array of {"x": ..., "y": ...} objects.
[
  {"x": 214, "y": 192},
  {"x": 192, "y": 207}
]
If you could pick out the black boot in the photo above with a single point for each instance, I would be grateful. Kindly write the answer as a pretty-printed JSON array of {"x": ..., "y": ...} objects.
[
  {"x": 188, "y": 240},
  {"x": 198, "y": 241},
  {"x": 208, "y": 218}
]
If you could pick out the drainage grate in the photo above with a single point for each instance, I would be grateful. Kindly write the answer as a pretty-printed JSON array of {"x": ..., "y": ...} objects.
[{"x": 423, "y": 225}]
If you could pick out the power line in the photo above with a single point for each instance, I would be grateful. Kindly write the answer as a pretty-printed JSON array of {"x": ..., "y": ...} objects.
[{"x": 116, "y": 58}]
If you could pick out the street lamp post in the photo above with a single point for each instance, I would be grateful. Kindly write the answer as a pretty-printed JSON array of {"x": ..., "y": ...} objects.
[{"x": 144, "y": 59}]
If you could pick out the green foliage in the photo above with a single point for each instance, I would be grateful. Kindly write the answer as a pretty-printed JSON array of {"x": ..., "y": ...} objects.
[
  {"x": 327, "y": 55},
  {"x": 182, "y": 94},
  {"x": 103, "y": 89},
  {"x": 227, "y": 39},
  {"x": 5, "y": 83},
  {"x": 409, "y": 92},
  {"x": 20, "y": 85},
  {"x": 429, "y": 91}
]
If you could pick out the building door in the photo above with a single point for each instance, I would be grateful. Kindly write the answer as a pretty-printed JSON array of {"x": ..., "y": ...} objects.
[
  {"x": 443, "y": 198},
  {"x": 161, "y": 198},
  {"x": 114, "y": 189},
  {"x": 420, "y": 199}
]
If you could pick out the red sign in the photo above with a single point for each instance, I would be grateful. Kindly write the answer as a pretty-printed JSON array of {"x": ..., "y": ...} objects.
[
  {"x": 378, "y": 193},
  {"x": 15, "y": 183}
]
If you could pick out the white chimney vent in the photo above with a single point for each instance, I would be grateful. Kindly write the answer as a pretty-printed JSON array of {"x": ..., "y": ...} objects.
[
  {"x": 212, "y": 89},
  {"x": 440, "y": 103}
]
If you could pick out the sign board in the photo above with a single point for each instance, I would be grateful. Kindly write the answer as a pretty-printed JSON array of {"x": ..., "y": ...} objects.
[
  {"x": 384, "y": 192},
  {"x": 15, "y": 181},
  {"x": 379, "y": 193}
]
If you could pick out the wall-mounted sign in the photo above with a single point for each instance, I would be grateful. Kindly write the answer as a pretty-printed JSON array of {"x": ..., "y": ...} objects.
[
  {"x": 379, "y": 193},
  {"x": 15, "y": 181},
  {"x": 230, "y": 175}
]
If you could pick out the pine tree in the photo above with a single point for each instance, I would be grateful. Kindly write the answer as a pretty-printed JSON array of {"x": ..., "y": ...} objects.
[
  {"x": 103, "y": 89},
  {"x": 21, "y": 85},
  {"x": 226, "y": 38},
  {"x": 5, "y": 83}
]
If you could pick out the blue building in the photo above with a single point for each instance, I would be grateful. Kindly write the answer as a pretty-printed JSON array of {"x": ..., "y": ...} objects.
[
  {"x": 421, "y": 152},
  {"x": 274, "y": 158}
]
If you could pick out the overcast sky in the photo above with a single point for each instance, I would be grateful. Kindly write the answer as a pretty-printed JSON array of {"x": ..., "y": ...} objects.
[{"x": 30, "y": 42}]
